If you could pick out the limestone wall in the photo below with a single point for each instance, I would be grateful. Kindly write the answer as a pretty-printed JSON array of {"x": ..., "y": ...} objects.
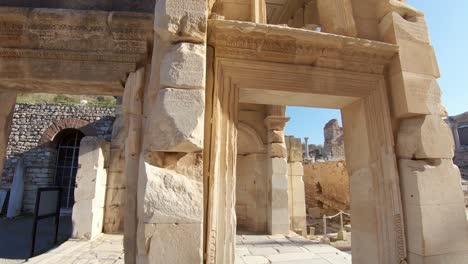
[
  {"x": 327, "y": 185},
  {"x": 28, "y": 139}
]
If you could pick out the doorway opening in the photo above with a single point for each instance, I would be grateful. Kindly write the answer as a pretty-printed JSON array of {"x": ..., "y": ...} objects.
[{"x": 68, "y": 148}]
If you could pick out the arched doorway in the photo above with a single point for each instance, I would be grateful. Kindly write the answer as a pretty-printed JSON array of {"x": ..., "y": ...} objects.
[{"x": 68, "y": 146}]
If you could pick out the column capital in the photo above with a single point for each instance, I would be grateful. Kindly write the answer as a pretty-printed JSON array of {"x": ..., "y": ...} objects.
[{"x": 276, "y": 122}]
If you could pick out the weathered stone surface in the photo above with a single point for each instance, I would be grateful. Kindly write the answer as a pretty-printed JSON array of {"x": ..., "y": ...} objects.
[
  {"x": 178, "y": 123},
  {"x": 182, "y": 244},
  {"x": 91, "y": 179},
  {"x": 431, "y": 229},
  {"x": 6, "y": 115},
  {"x": 184, "y": 67},
  {"x": 337, "y": 17},
  {"x": 333, "y": 146},
  {"x": 394, "y": 27},
  {"x": 426, "y": 182},
  {"x": 279, "y": 215},
  {"x": 432, "y": 197},
  {"x": 416, "y": 94},
  {"x": 415, "y": 57},
  {"x": 278, "y": 150},
  {"x": 294, "y": 146},
  {"x": 427, "y": 137},
  {"x": 171, "y": 197},
  {"x": 296, "y": 169},
  {"x": 181, "y": 20},
  {"x": 276, "y": 136}
]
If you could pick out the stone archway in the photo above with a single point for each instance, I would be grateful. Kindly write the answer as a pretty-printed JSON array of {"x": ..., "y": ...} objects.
[{"x": 49, "y": 135}]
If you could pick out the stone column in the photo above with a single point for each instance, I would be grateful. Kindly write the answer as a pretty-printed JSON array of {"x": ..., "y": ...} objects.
[
  {"x": 132, "y": 114},
  {"x": 90, "y": 191},
  {"x": 296, "y": 186},
  {"x": 307, "y": 157},
  {"x": 437, "y": 230},
  {"x": 278, "y": 207},
  {"x": 170, "y": 179},
  {"x": 6, "y": 114},
  {"x": 456, "y": 136}
]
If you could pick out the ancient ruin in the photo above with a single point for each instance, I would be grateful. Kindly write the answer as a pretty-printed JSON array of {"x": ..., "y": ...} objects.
[{"x": 204, "y": 86}]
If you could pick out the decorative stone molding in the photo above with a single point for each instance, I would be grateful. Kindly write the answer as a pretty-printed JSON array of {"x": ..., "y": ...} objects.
[
  {"x": 93, "y": 50},
  {"x": 49, "y": 135},
  {"x": 246, "y": 40}
]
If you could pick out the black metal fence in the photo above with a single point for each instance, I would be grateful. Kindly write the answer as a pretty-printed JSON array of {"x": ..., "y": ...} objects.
[{"x": 47, "y": 206}]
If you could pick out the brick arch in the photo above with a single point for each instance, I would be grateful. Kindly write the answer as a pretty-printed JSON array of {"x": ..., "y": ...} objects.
[{"x": 57, "y": 126}]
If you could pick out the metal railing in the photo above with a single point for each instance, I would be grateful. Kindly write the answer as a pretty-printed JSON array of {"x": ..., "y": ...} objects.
[{"x": 340, "y": 214}]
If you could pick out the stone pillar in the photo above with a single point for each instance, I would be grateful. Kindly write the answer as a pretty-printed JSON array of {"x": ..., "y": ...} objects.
[
  {"x": 456, "y": 136},
  {"x": 132, "y": 114},
  {"x": 258, "y": 12},
  {"x": 278, "y": 206},
  {"x": 7, "y": 108},
  {"x": 337, "y": 17},
  {"x": 437, "y": 230},
  {"x": 90, "y": 191},
  {"x": 307, "y": 157},
  {"x": 297, "y": 210},
  {"x": 170, "y": 179},
  {"x": 116, "y": 189}
]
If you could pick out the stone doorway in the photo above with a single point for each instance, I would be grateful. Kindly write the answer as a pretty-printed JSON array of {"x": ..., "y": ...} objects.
[
  {"x": 237, "y": 77},
  {"x": 68, "y": 147}
]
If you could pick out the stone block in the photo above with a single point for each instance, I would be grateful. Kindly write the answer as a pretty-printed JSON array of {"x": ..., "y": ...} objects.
[
  {"x": 415, "y": 94},
  {"x": 171, "y": 197},
  {"x": 178, "y": 122},
  {"x": 427, "y": 137},
  {"x": 337, "y": 17},
  {"x": 175, "y": 243},
  {"x": 430, "y": 182},
  {"x": 294, "y": 146},
  {"x": 436, "y": 229},
  {"x": 278, "y": 150},
  {"x": 181, "y": 20},
  {"x": 415, "y": 57},
  {"x": 295, "y": 169},
  {"x": 298, "y": 191},
  {"x": 184, "y": 66},
  {"x": 276, "y": 136},
  {"x": 394, "y": 28},
  {"x": 91, "y": 176},
  {"x": 452, "y": 258}
]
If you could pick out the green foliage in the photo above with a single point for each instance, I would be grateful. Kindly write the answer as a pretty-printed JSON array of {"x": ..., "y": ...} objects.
[
  {"x": 63, "y": 99},
  {"x": 42, "y": 98}
]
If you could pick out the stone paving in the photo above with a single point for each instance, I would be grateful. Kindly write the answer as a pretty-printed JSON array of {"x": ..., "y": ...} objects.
[
  {"x": 106, "y": 249},
  {"x": 251, "y": 249},
  {"x": 293, "y": 249}
]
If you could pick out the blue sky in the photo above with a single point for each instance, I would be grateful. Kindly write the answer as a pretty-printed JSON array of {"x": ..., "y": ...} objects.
[{"x": 448, "y": 24}]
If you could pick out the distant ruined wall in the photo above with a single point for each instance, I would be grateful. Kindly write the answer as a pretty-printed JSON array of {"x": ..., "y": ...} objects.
[
  {"x": 30, "y": 138},
  {"x": 334, "y": 141},
  {"x": 327, "y": 185}
]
